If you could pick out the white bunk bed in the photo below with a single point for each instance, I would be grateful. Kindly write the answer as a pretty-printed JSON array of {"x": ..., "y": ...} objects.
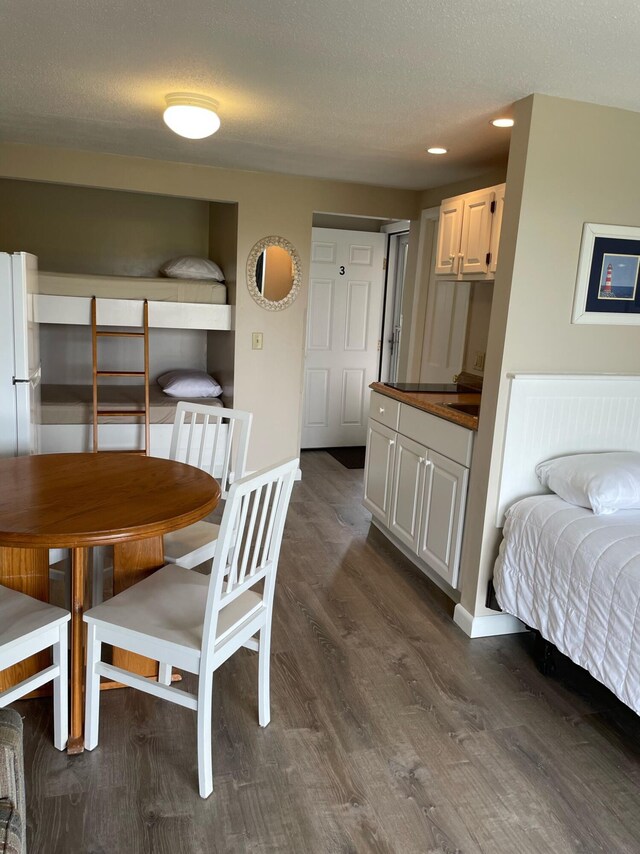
[{"x": 64, "y": 299}]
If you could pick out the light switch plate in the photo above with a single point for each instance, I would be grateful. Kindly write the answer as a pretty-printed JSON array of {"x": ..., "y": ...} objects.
[{"x": 256, "y": 341}]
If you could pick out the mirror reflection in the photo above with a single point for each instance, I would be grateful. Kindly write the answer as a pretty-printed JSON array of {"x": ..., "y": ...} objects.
[{"x": 274, "y": 273}]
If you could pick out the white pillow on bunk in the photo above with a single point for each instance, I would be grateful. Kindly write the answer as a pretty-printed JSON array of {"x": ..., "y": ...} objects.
[
  {"x": 184, "y": 383},
  {"x": 604, "y": 482},
  {"x": 190, "y": 267}
]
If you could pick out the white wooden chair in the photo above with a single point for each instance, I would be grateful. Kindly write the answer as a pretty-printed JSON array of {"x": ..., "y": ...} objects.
[
  {"x": 217, "y": 441},
  {"x": 195, "y": 622},
  {"x": 28, "y": 626}
]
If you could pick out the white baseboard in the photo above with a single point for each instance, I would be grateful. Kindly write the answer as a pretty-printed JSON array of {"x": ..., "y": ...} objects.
[{"x": 487, "y": 625}]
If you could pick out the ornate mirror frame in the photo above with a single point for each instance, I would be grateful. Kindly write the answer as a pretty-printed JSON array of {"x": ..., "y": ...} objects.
[{"x": 258, "y": 249}]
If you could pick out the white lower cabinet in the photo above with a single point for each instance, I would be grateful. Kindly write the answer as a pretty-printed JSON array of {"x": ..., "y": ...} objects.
[
  {"x": 417, "y": 492},
  {"x": 408, "y": 486},
  {"x": 443, "y": 502},
  {"x": 378, "y": 469}
]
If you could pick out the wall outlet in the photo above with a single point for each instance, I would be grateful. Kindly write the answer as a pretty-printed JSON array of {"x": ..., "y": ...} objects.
[
  {"x": 256, "y": 341},
  {"x": 479, "y": 362}
]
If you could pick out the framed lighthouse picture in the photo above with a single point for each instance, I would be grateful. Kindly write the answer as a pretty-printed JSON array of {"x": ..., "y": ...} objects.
[{"x": 607, "y": 285}]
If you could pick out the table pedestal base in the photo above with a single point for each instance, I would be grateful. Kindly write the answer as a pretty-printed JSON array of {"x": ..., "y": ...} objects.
[{"x": 132, "y": 562}]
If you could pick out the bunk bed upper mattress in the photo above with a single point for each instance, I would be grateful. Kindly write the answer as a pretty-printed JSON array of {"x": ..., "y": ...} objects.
[
  {"x": 73, "y": 404},
  {"x": 130, "y": 287}
]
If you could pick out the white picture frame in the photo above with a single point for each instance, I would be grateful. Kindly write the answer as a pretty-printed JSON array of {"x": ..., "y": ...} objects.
[{"x": 591, "y": 303}]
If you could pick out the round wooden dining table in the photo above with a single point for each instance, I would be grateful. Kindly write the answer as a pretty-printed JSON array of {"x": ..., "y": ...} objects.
[{"x": 77, "y": 501}]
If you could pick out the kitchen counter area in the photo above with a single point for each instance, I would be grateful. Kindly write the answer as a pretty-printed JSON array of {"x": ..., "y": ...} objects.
[
  {"x": 460, "y": 408},
  {"x": 419, "y": 449}
]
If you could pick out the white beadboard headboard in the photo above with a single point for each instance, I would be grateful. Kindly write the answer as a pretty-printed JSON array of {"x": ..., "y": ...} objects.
[{"x": 549, "y": 415}]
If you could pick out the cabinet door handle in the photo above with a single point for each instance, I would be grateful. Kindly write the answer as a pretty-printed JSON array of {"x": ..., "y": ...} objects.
[
  {"x": 422, "y": 460},
  {"x": 391, "y": 443},
  {"x": 427, "y": 463},
  {"x": 381, "y": 410}
]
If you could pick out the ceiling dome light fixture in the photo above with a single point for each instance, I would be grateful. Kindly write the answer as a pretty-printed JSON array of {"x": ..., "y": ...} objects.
[
  {"x": 193, "y": 116},
  {"x": 436, "y": 149},
  {"x": 502, "y": 123}
]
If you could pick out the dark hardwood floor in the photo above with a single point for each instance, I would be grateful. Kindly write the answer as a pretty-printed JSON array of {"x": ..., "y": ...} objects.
[{"x": 391, "y": 731}]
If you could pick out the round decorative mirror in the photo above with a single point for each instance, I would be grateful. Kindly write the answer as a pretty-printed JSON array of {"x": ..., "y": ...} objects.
[{"x": 274, "y": 273}]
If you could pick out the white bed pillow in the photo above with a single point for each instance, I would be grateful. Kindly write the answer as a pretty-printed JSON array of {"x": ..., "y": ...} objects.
[
  {"x": 603, "y": 482},
  {"x": 190, "y": 267},
  {"x": 184, "y": 383}
]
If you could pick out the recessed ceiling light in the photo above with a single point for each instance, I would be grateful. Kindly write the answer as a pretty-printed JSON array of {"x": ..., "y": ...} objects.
[
  {"x": 502, "y": 123},
  {"x": 436, "y": 150},
  {"x": 193, "y": 116}
]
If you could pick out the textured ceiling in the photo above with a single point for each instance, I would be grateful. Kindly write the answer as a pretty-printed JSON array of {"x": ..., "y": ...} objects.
[{"x": 346, "y": 89}]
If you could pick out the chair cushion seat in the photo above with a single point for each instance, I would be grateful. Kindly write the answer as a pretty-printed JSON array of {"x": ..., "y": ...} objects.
[
  {"x": 196, "y": 543},
  {"x": 20, "y": 615},
  {"x": 170, "y": 606}
]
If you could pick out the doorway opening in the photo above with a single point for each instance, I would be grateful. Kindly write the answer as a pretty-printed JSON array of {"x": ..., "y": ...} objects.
[
  {"x": 397, "y": 251},
  {"x": 351, "y": 298}
]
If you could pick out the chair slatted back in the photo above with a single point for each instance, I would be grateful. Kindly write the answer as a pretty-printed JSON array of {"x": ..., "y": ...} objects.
[
  {"x": 213, "y": 439},
  {"x": 249, "y": 540}
]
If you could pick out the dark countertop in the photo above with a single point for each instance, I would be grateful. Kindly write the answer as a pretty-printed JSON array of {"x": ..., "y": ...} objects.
[{"x": 434, "y": 403}]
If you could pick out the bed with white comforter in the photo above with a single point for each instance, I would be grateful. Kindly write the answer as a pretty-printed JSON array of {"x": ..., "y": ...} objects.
[{"x": 575, "y": 577}]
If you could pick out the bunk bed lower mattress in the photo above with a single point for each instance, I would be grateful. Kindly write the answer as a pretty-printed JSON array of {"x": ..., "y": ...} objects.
[
  {"x": 73, "y": 404},
  {"x": 66, "y": 418}
]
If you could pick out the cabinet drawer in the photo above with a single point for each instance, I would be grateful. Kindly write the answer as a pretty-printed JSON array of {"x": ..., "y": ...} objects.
[
  {"x": 440, "y": 435},
  {"x": 384, "y": 410}
]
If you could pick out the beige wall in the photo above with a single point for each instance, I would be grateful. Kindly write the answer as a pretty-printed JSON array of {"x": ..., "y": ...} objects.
[
  {"x": 267, "y": 381},
  {"x": 433, "y": 197},
  {"x": 85, "y": 230},
  {"x": 223, "y": 242},
  {"x": 569, "y": 163},
  {"x": 347, "y": 223}
]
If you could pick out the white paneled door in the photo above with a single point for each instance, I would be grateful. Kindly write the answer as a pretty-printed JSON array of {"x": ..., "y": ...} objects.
[{"x": 343, "y": 334}]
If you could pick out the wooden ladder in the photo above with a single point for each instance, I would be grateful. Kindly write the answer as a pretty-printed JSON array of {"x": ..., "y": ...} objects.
[{"x": 120, "y": 413}]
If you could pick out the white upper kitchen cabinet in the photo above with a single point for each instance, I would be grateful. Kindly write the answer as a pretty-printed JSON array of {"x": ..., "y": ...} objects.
[
  {"x": 449, "y": 233},
  {"x": 476, "y": 232},
  {"x": 468, "y": 235},
  {"x": 496, "y": 227}
]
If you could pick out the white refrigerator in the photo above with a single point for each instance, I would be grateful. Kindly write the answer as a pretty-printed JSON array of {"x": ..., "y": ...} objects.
[{"x": 19, "y": 355}]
